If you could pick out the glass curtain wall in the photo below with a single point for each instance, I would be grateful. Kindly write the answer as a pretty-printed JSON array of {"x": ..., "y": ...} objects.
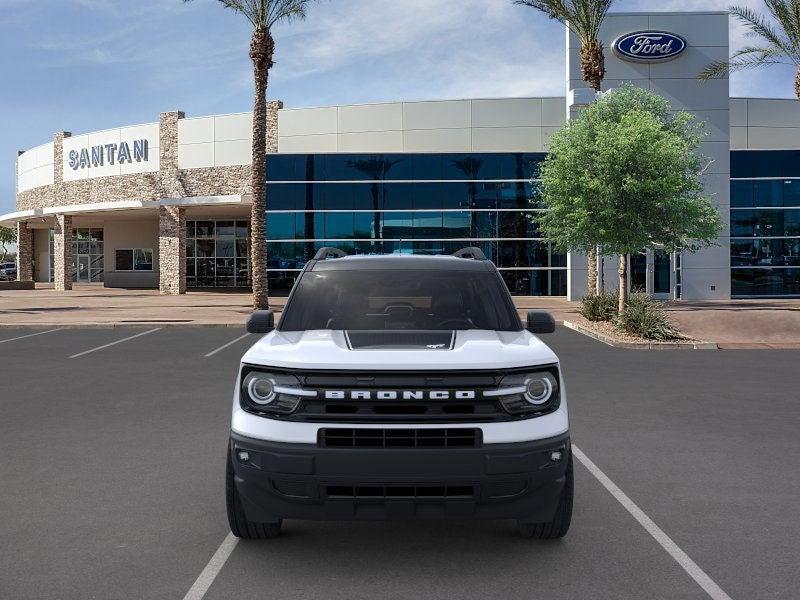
[
  {"x": 765, "y": 223},
  {"x": 217, "y": 254},
  {"x": 410, "y": 203}
]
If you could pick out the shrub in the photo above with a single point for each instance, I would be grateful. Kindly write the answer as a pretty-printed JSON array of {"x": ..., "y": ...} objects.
[
  {"x": 644, "y": 317},
  {"x": 601, "y": 307}
]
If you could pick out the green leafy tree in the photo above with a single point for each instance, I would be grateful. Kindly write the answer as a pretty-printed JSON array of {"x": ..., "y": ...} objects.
[
  {"x": 778, "y": 40},
  {"x": 626, "y": 174},
  {"x": 7, "y": 237},
  {"x": 263, "y": 15},
  {"x": 584, "y": 19}
]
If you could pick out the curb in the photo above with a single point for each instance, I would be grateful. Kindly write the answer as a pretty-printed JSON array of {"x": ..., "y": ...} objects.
[{"x": 640, "y": 345}]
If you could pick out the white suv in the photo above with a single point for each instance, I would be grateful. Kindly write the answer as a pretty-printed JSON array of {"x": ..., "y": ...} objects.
[{"x": 399, "y": 387}]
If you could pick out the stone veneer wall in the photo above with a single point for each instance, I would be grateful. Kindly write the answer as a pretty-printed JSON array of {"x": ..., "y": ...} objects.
[
  {"x": 62, "y": 251},
  {"x": 172, "y": 250},
  {"x": 169, "y": 182},
  {"x": 24, "y": 252},
  {"x": 169, "y": 177},
  {"x": 217, "y": 181}
]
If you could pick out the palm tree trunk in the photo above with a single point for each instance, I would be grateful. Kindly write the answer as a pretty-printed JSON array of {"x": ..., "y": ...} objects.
[
  {"x": 623, "y": 282},
  {"x": 261, "y": 51},
  {"x": 376, "y": 214},
  {"x": 593, "y": 67},
  {"x": 593, "y": 70},
  {"x": 601, "y": 275}
]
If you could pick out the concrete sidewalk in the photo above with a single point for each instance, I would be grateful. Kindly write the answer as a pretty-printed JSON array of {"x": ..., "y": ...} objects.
[
  {"x": 93, "y": 305},
  {"x": 734, "y": 324},
  {"x": 741, "y": 323},
  {"x": 90, "y": 305}
]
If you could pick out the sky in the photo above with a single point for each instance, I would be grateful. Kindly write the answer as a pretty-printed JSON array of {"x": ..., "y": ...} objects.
[{"x": 86, "y": 65}]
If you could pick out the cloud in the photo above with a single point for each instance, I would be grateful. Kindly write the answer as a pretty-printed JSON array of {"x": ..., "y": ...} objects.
[{"x": 420, "y": 48}]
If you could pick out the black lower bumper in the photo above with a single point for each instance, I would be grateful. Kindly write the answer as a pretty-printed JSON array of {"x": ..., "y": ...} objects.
[{"x": 299, "y": 481}]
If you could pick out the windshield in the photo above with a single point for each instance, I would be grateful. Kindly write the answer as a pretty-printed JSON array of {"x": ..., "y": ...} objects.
[{"x": 395, "y": 299}]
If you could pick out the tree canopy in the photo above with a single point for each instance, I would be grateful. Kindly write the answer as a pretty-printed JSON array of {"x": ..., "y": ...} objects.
[
  {"x": 7, "y": 237},
  {"x": 626, "y": 174},
  {"x": 777, "y": 40}
]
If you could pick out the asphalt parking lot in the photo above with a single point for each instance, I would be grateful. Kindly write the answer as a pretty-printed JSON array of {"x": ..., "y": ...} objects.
[{"x": 112, "y": 481}]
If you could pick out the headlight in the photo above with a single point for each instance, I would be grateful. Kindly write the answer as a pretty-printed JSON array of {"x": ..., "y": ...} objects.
[
  {"x": 532, "y": 392},
  {"x": 539, "y": 388},
  {"x": 275, "y": 393},
  {"x": 260, "y": 388}
]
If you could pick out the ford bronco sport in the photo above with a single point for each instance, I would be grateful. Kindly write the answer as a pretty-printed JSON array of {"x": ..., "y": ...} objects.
[{"x": 399, "y": 387}]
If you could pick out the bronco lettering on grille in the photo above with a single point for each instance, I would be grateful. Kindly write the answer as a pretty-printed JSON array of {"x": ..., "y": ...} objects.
[{"x": 399, "y": 394}]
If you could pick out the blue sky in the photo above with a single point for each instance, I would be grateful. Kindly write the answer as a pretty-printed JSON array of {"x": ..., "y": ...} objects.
[{"x": 84, "y": 65}]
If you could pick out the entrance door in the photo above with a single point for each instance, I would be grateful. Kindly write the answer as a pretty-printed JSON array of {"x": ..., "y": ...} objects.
[
  {"x": 638, "y": 268},
  {"x": 83, "y": 268},
  {"x": 650, "y": 272},
  {"x": 662, "y": 270}
]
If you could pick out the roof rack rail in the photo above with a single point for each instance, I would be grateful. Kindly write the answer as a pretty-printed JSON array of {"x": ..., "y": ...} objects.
[
  {"x": 329, "y": 252},
  {"x": 470, "y": 252}
]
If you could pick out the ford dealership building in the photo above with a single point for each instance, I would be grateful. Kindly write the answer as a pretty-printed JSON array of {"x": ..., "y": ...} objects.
[{"x": 166, "y": 204}]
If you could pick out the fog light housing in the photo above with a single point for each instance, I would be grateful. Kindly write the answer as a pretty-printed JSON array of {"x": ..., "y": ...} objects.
[
  {"x": 556, "y": 455},
  {"x": 248, "y": 458}
]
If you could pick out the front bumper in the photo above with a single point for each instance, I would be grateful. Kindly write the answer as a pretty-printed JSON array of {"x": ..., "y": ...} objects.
[{"x": 303, "y": 481}]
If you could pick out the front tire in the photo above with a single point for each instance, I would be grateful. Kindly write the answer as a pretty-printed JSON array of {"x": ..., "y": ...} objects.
[
  {"x": 241, "y": 527},
  {"x": 558, "y": 527}
]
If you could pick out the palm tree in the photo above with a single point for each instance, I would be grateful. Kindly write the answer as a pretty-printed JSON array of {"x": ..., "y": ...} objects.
[
  {"x": 377, "y": 169},
  {"x": 470, "y": 167},
  {"x": 584, "y": 19},
  {"x": 263, "y": 15},
  {"x": 780, "y": 41}
]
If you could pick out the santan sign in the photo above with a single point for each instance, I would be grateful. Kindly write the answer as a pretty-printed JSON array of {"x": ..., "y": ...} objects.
[
  {"x": 649, "y": 46},
  {"x": 97, "y": 156}
]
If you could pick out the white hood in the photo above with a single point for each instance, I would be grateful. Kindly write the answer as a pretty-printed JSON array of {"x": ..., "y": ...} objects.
[{"x": 328, "y": 349}]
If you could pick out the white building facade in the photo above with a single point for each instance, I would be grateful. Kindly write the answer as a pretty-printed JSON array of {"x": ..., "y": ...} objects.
[{"x": 167, "y": 204}]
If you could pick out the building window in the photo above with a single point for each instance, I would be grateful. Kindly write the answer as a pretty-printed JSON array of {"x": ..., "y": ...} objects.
[
  {"x": 765, "y": 223},
  {"x": 133, "y": 259},
  {"x": 218, "y": 253},
  {"x": 410, "y": 203}
]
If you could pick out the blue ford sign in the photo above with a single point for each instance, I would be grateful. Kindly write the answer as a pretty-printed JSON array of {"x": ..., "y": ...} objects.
[{"x": 649, "y": 46}]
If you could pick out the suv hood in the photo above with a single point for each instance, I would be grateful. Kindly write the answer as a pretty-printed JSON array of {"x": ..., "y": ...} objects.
[{"x": 329, "y": 349}]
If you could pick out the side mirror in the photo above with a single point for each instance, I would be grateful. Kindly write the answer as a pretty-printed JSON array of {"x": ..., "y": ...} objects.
[
  {"x": 261, "y": 321},
  {"x": 540, "y": 322}
]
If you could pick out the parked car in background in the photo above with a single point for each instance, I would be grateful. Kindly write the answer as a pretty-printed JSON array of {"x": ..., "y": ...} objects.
[{"x": 8, "y": 271}]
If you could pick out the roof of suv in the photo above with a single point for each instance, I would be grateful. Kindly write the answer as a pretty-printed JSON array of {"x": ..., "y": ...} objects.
[{"x": 401, "y": 262}]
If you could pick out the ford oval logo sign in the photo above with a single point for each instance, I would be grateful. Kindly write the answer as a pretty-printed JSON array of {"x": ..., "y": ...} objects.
[{"x": 649, "y": 46}]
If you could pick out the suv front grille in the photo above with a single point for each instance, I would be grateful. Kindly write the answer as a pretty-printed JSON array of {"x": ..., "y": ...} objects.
[
  {"x": 435, "y": 492},
  {"x": 451, "y": 410},
  {"x": 399, "y": 438}
]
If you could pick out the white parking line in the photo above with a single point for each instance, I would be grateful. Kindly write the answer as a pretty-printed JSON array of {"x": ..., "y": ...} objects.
[
  {"x": 22, "y": 337},
  {"x": 214, "y": 566},
  {"x": 231, "y": 343},
  {"x": 84, "y": 353},
  {"x": 695, "y": 572}
]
